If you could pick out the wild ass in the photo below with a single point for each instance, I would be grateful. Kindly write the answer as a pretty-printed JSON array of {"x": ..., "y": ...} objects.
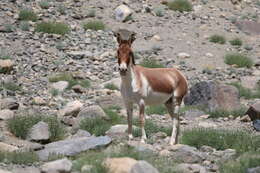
[{"x": 148, "y": 86}]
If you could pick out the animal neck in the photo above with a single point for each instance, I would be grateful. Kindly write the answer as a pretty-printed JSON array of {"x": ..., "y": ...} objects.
[{"x": 130, "y": 75}]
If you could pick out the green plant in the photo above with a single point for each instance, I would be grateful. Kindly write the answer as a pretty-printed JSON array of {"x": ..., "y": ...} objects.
[
  {"x": 151, "y": 63},
  {"x": 240, "y": 165},
  {"x": 225, "y": 113},
  {"x": 27, "y": 15},
  {"x": 61, "y": 9},
  {"x": 20, "y": 126},
  {"x": 159, "y": 11},
  {"x": 111, "y": 86},
  {"x": 221, "y": 139},
  {"x": 245, "y": 92},
  {"x": 25, "y": 26},
  {"x": 44, "y": 4},
  {"x": 17, "y": 157},
  {"x": 9, "y": 28},
  {"x": 238, "y": 59},
  {"x": 180, "y": 5},
  {"x": 11, "y": 86},
  {"x": 4, "y": 54},
  {"x": 53, "y": 28},
  {"x": 94, "y": 25},
  {"x": 217, "y": 39},
  {"x": 54, "y": 92},
  {"x": 156, "y": 109},
  {"x": 236, "y": 42}
]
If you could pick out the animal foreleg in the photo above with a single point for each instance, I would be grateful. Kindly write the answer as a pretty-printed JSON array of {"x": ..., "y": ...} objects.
[
  {"x": 129, "y": 108},
  {"x": 142, "y": 121}
]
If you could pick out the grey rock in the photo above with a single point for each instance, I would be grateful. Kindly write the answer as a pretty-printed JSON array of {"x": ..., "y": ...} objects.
[
  {"x": 39, "y": 132},
  {"x": 26, "y": 170},
  {"x": 194, "y": 113},
  {"x": 71, "y": 109},
  {"x": 253, "y": 170},
  {"x": 117, "y": 129},
  {"x": 249, "y": 27},
  {"x": 4, "y": 171},
  {"x": 213, "y": 96},
  {"x": 57, "y": 166},
  {"x": 143, "y": 167},
  {"x": 189, "y": 168},
  {"x": 254, "y": 111},
  {"x": 110, "y": 100},
  {"x": 122, "y": 12},
  {"x": 92, "y": 112},
  {"x": 256, "y": 125},
  {"x": 225, "y": 154},
  {"x": 81, "y": 133},
  {"x": 187, "y": 154},
  {"x": 80, "y": 54},
  {"x": 6, "y": 114},
  {"x": 6, "y": 65},
  {"x": 71, "y": 147},
  {"x": 250, "y": 82},
  {"x": 60, "y": 86},
  {"x": 8, "y": 103}
]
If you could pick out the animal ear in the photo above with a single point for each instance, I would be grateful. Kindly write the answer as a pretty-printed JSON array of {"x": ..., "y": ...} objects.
[
  {"x": 132, "y": 37},
  {"x": 118, "y": 37}
]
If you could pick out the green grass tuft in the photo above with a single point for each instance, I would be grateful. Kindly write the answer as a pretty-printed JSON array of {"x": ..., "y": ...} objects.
[
  {"x": 245, "y": 92},
  {"x": 111, "y": 86},
  {"x": 20, "y": 126},
  {"x": 151, "y": 63},
  {"x": 236, "y": 42},
  {"x": 156, "y": 109},
  {"x": 26, "y": 158},
  {"x": 225, "y": 113},
  {"x": 25, "y": 26},
  {"x": 239, "y": 60},
  {"x": 27, "y": 15},
  {"x": 61, "y": 9},
  {"x": 159, "y": 11},
  {"x": 44, "y": 4},
  {"x": 53, "y": 28},
  {"x": 221, "y": 139},
  {"x": 94, "y": 25},
  {"x": 11, "y": 86},
  {"x": 240, "y": 165},
  {"x": 180, "y": 5},
  {"x": 217, "y": 39}
]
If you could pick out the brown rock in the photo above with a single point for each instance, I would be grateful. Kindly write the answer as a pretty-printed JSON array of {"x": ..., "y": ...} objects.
[
  {"x": 249, "y": 27},
  {"x": 6, "y": 65},
  {"x": 254, "y": 111},
  {"x": 119, "y": 165},
  {"x": 7, "y": 147}
]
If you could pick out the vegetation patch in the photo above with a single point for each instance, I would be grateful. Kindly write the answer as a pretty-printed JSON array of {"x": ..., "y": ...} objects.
[
  {"x": 111, "y": 86},
  {"x": 96, "y": 158},
  {"x": 11, "y": 86},
  {"x": 44, "y": 4},
  {"x": 217, "y": 39},
  {"x": 180, "y": 5},
  {"x": 25, "y": 26},
  {"x": 4, "y": 54},
  {"x": 70, "y": 79},
  {"x": 156, "y": 109},
  {"x": 245, "y": 92},
  {"x": 20, "y": 126},
  {"x": 26, "y": 158},
  {"x": 159, "y": 11},
  {"x": 225, "y": 113},
  {"x": 236, "y": 42},
  {"x": 240, "y": 60},
  {"x": 240, "y": 165},
  {"x": 27, "y": 15},
  {"x": 53, "y": 28},
  {"x": 221, "y": 139},
  {"x": 61, "y": 9},
  {"x": 94, "y": 25},
  {"x": 151, "y": 63}
]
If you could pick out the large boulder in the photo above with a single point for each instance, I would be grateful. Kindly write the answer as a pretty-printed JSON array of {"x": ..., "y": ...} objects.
[
  {"x": 71, "y": 109},
  {"x": 39, "y": 132},
  {"x": 256, "y": 125},
  {"x": 254, "y": 111},
  {"x": 6, "y": 147},
  {"x": 92, "y": 112},
  {"x": 122, "y": 12},
  {"x": 253, "y": 170},
  {"x": 213, "y": 96},
  {"x": 119, "y": 165},
  {"x": 8, "y": 103},
  {"x": 6, "y": 114},
  {"x": 57, "y": 166},
  {"x": 143, "y": 167},
  {"x": 71, "y": 147},
  {"x": 250, "y": 82},
  {"x": 189, "y": 168},
  {"x": 60, "y": 86}
]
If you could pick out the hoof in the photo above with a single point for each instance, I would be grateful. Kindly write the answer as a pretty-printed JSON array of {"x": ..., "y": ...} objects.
[
  {"x": 130, "y": 137},
  {"x": 142, "y": 141}
]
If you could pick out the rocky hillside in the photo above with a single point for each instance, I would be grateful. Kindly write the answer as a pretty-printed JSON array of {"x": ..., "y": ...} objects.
[{"x": 60, "y": 105}]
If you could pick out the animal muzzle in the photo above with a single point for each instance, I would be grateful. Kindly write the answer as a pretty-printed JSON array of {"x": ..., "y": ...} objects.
[{"x": 123, "y": 68}]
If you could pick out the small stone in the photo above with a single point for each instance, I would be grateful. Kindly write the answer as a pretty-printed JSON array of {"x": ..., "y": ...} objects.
[
  {"x": 165, "y": 153},
  {"x": 117, "y": 129},
  {"x": 6, "y": 114},
  {"x": 86, "y": 168},
  {"x": 207, "y": 124},
  {"x": 254, "y": 111},
  {"x": 81, "y": 133},
  {"x": 39, "y": 101},
  {"x": 7, "y": 147},
  {"x": 57, "y": 166},
  {"x": 92, "y": 112},
  {"x": 190, "y": 168},
  {"x": 119, "y": 165},
  {"x": 39, "y": 132},
  {"x": 78, "y": 89},
  {"x": 71, "y": 109},
  {"x": 8, "y": 103},
  {"x": 183, "y": 55},
  {"x": 122, "y": 12},
  {"x": 80, "y": 54},
  {"x": 210, "y": 55},
  {"x": 60, "y": 86},
  {"x": 245, "y": 118},
  {"x": 156, "y": 38},
  {"x": 6, "y": 65},
  {"x": 256, "y": 125}
]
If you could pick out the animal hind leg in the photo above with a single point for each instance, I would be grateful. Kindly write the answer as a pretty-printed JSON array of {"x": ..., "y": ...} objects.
[
  {"x": 171, "y": 107},
  {"x": 142, "y": 120}
]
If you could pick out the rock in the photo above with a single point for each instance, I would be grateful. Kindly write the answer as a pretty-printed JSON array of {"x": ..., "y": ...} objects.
[
  {"x": 253, "y": 170},
  {"x": 8, "y": 103},
  {"x": 225, "y": 154},
  {"x": 86, "y": 168},
  {"x": 118, "y": 129},
  {"x": 189, "y": 168},
  {"x": 245, "y": 118},
  {"x": 60, "y": 86},
  {"x": 7, "y": 147},
  {"x": 122, "y": 12},
  {"x": 250, "y": 82},
  {"x": 249, "y": 27},
  {"x": 92, "y": 112},
  {"x": 254, "y": 111},
  {"x": 78, "y": 89},
  {"x": 116, "y": 82},
  {"x": 119, "y": 165},
  {"x": 6, "y": 65},
  {"x": 110, "y": 100},
  {"x": 39, "y": 101},
  {"x": 57, "y": 166},
  {"x": 207, "y": 124},
  {"x": 39, "y": 132},
  {"x": 256, "y": 125},
  {"x": 81, "y": 133},
  {"x": 193, "y": 113},
  {"x": 156, "y": 38},
  {"x": 71, "y": 109},
  {"x": 26, "y": 170},
  {"x": 143, "y": 167},
  {"x": 6, "y": 114},
  {"x": 71, "y": 147},
  {"x": 80, "y": 54},
  {"x": 213, "y": 96},
  {"x": 4, "y": 171},
  {"x": 187, "y": 154},
  {"x": 183, "y": 55}
]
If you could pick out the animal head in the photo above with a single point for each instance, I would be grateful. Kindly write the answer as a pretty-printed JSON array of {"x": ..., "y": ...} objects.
[{"x": 125, "y": 54}]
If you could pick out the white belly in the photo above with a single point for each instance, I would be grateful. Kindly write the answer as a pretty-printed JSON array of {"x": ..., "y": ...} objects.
[{"x": 155, "y": 98}]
